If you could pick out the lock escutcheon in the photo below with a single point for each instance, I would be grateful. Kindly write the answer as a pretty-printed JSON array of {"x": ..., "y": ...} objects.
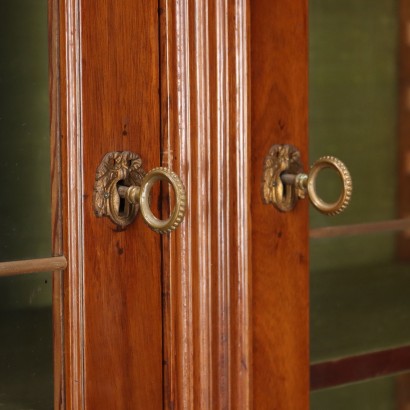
[
  {"x": 122, "y": 189},
  {"x": 284, "y": 183}
]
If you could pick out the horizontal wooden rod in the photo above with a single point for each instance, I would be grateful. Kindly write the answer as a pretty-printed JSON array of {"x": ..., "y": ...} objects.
[
  {"x": 358, "y": 368},
  {"x": 33, "y": 266},
  {"x": 360, "y": 229}
]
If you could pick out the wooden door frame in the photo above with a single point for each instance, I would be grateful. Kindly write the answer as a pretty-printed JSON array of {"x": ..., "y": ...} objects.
[
  {"x": 280, "y": 308},
  {"x": 207, "y": 263},
  {"x": 215, "y": 342},
  {"x": 65, "y": 94},
  {"x": 82, "y": 294}
]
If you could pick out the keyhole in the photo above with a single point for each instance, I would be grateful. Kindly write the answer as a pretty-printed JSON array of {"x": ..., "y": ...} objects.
[{"x": 124, "y": 205}]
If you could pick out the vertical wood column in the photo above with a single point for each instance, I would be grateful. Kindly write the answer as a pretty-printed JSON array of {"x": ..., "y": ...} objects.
[
  {"x": 109, "y": 71},
  {"x": 280, "y": 309},
  {"x": 56, "y": 205},
  {"x": 70, "y": 124},
  {"x": 402, "y": 392},
  {"x": 403, "y": 182},
  {"x": 205, "y": 117}
]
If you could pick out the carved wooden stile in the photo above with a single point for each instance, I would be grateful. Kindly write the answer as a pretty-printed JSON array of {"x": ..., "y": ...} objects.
[{"x": 205, "y": 119}]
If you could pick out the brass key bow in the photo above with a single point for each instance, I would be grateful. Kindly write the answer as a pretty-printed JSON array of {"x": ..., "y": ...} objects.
[{"x": 284, "y": 183}]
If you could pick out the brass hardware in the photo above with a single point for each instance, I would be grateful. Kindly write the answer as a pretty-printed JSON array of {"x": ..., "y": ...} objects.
[
  {"x": 140, "y": 195},
  {"x": 284, "y": 182},
  {"x": 122, "y": 188}
]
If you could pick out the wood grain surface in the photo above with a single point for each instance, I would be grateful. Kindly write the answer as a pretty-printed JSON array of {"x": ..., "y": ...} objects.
[
  {"x": 204, "y": 65},
  {"x": 109, "y": 72},
  {"x": 279, "y": 68},
  {"x": 112, "y": 301}
]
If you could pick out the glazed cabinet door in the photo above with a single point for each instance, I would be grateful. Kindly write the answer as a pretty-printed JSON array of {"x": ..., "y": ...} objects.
[
  {"x": 106, "y": 57},
  {"x": 280, "y": 284},
  {"x": 353, "y": 57},
  {"x": 212, "y": 315},
  {"x": 215, "y": 314}
]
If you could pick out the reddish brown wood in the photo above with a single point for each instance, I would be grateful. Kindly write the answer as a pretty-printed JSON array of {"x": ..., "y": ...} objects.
[
  {"x": 56, "y": 205},
  {"x": 112, "y": 302},
  {"x": 109, "y": 95},
  {"x": 279, "y": 68},
  {"x": 207, "y": 262},
  {"x": 403, "y": 152},
  {"x": 70, "y": 90},
  {"x": 356, "y": 368}
]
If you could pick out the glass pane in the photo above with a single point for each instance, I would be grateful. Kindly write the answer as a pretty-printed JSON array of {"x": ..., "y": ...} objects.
[
  {"x": 360, "y": 307},
  {"x": 26, "y": 346},
  {"x": 360, "y": 289},
  {"x": 26, "y": 377},
  {"x": 24, "y": 130},
  {"x": 353, "y": 101},
  {"x": 389, "y": 393}
]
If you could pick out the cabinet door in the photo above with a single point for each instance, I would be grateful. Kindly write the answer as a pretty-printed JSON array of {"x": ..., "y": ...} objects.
[
  {"x": 173, "y": 85},
  {"x": 108, "y": 100},
  {"x": 126, "y": 347},
  {"x": 359, "y": 261},
  {"x": 279, "y": 115},
  {"x": 358, "y": 110}
]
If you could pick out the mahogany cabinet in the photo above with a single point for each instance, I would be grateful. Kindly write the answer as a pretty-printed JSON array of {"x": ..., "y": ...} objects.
[
  {"x": 216, "y": 314},
  {"x": 204, "y": 317}
]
